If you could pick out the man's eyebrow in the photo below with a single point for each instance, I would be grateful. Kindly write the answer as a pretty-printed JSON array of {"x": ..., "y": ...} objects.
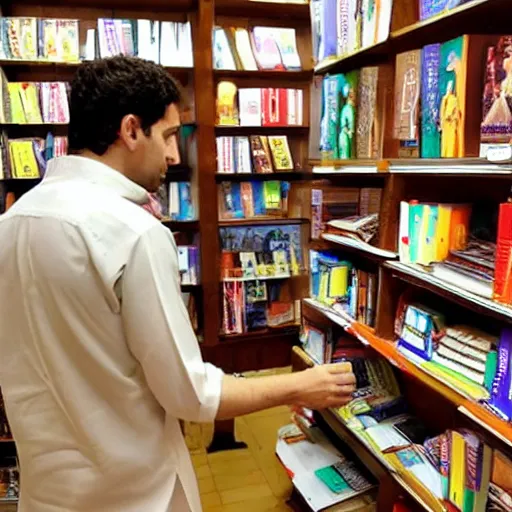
[{"x": 171, "y": 130}]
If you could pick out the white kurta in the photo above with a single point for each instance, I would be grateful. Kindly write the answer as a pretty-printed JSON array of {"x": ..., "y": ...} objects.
[{"x": 98, "y": 356}]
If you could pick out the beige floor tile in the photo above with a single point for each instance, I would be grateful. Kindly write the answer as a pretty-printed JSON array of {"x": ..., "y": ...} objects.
[
  {"x": 229, "y": 455},
  {"x": 211, "y": 499},
  {"x": 233, "y": 467},
  {"x": 257, "y": 505},
  {"x": 206, "y": 485},
  {"x": 230, "y": 481},
  {"x": 278, "y": 480},
  {"x": 203, "y": 471},
  {"x": 199, "y": 459},
  {"x": 246, "y": 494}
]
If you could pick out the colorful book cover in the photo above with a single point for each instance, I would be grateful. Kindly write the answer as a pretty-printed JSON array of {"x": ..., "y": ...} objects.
[
  {"x": 452, "y": 92},
  {"x": 457, "y": 469},
  {"x": 430, "y": 102},
  {"x": 503, "y": 268},
  {"x": 223, "y": 57},
  {"x": 332, "y": 101},
  {"x": 366, "y": 139},
  {"x": 266, "y": 49},
  {"x": 281, "y": 154},
  {"x": 261, "y": 157},
  {"x": 347, "y": 136},
  {"x": 227, "y": 112},
  {"x": 328, "y": 30},
  {"x": 500, "y": 392},
  {"x": 430, "y": 8},
  {"x": 407, "y": 101},
  {"x": 497, "y": 97}
]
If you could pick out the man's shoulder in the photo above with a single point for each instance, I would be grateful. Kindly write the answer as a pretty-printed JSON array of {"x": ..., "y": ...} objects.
[{"x": 83, "y": 205}]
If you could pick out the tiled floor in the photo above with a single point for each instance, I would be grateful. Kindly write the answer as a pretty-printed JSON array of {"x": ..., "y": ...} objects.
[{"x": 248, "y": 480}]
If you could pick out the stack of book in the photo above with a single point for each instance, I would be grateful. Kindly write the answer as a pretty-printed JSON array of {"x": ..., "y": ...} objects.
[
  {"x": 339, "y": 284},
  {"x": 334, "y": 204},
  {"x": 252, "y": 200},
  {"x": 264, "y": 48},
  {"x": 258, "y": 107},
  {"x": 165, "y": 42},
  {"x": 27, "y": 157},
  {"x": 33, "y": 102},
  {"x": 188, "y": 261},
  {"x": 340, "y": 28},
  {"x": 255, "y": 264},
  {"x": 256, "y": 153},
  {"x": 439, "y": 236},
  {"x": 55, "y": 40}
]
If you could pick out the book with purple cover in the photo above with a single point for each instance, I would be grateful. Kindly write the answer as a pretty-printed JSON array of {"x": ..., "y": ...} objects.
[
  {"x": 430, "y": 102},
  {"x": 430, "y": 8}
]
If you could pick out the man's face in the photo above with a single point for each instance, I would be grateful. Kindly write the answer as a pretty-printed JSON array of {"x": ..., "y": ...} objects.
[{"x": 153, "y": 153}]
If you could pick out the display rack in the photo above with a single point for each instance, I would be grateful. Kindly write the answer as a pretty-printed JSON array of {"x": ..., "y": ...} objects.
[{"x": 436, "y": 401}]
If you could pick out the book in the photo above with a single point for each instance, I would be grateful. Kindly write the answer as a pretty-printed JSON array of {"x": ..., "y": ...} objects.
[
  {"x": 261, "y": 156},
  {"x": 496, "y": 127},
  {"x": 223, "y": 55},
  {"x": 227, "y": 111},
  {"x": 407, "y": 95},
  {"x": 280, "y": 151},
  {"x": 367, "y": 136},
  {"x": 431, "y": 8},
  {"x": 250, "y": 106},
  {"x": 503, "y": 268},
  {"x": 430, "y": 101},
  {"x": 266, "y": 49}
]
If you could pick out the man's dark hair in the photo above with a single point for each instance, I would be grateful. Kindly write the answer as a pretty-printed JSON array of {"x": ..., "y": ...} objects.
[{"x": 105, "y": 90}]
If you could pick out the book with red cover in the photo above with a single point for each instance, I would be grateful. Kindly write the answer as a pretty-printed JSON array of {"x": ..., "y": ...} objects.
[{"x": 503, "y": 270}]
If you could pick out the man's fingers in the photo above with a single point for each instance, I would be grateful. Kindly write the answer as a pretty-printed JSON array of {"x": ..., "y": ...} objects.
[
  {"x": 339, "y": 367},
  {"x": 345, "y": 379}
]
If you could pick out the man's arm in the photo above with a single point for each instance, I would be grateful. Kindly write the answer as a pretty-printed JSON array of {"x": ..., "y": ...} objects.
[
  {"x": 160, "y": 335},
  {"x": 316, "y": 388}
]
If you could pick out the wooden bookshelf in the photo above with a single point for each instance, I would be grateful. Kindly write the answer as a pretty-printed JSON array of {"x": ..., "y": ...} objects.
[{"x": 408, "y": 33}]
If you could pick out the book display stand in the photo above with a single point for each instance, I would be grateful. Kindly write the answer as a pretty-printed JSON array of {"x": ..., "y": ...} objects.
[{"x": 415, "y": 298}]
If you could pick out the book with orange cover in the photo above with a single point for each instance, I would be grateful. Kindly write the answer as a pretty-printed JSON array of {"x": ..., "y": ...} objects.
[{"x": 503, "y": 270}]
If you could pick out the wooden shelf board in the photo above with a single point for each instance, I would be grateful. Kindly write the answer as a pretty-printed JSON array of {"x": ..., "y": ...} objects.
[
  {"x": 190, "y": 287},
  {"x": 353, "y": 246},
  {"x": 305, "y": 75},
  {"x": 260, "y": 130},
  {"x": 181, "y": 225},
  {"x": 371, "y": 55},
  {"x": 464, "y": 19},
  {"x": 148, "y": 5},
  {"x": 413, "y": 274},
  {"x": 257, "y": 176},
  {"x": 292, "y": 12},
  {"x": 287, "y": 330},
  {"x": 499, "y": 429},
  {"x": 178, "y": 173},
  {"x": 277, "y": 221},
  {"x": 72, "y": 66},
  {"x": 413, "y": 167}
]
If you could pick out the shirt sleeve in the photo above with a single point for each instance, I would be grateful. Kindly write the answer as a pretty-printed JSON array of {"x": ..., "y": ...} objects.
[{"x": 159, "y": 332}]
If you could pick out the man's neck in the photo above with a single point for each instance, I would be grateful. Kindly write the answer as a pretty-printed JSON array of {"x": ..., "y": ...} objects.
[{"x": 105, "y": 159}]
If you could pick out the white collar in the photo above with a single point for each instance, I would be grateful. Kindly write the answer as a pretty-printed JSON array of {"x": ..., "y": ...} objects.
[{"x": 79, "y": 167}]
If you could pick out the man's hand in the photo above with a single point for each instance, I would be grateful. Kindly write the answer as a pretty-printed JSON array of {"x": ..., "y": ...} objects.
[
  {"x": 321, "y": 387},
  {"x": 325, "y": 386}
]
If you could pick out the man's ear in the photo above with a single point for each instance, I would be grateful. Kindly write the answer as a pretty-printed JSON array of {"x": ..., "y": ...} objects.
[{"x": 130, "y": 131}]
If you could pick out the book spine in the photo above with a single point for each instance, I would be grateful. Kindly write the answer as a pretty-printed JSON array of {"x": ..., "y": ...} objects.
[
  {"x": 503, "y": 270},
  {"x": 501, "y": 392}
]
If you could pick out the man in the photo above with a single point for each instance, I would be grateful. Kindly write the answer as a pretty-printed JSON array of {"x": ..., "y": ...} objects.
[{"x": 99, "y": 360}]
